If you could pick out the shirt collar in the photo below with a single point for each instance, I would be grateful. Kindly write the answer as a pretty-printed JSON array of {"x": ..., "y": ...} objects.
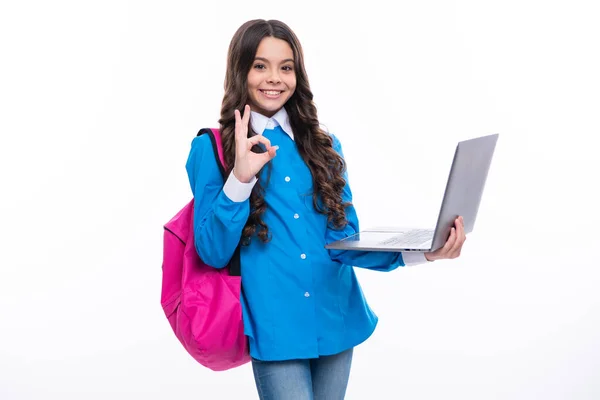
[{"x": 260, "y": 122}]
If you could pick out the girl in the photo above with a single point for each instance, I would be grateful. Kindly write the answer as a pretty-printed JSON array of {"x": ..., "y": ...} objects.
[{"x": 286, "y": 196}]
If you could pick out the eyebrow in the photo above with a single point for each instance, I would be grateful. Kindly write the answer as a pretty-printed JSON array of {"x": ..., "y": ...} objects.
[{"x": 265, "y": 60}]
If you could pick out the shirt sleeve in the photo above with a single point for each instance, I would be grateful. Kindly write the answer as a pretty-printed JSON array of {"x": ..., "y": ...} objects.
[
  {"x": 375, "y": 260},
  {"x": 220, "y": 210}
]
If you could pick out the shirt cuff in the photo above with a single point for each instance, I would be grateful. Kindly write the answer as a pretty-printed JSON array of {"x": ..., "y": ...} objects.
[
  {"x": 413, "y": 258},
  {"x": 237, "y": 191}
]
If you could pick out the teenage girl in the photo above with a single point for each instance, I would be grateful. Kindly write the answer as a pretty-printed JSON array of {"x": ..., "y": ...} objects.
[{"x": 286, "y": 196}]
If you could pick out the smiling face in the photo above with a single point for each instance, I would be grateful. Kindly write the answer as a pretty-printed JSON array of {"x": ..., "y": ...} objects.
[{"x": 272, "y": 77}]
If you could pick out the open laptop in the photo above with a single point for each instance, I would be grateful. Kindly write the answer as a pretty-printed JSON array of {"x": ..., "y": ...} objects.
[{"x": 464, "y": 188}]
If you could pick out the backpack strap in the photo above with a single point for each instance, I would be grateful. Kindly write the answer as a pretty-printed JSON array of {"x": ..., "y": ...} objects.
[{"x": 215, "y": 138}]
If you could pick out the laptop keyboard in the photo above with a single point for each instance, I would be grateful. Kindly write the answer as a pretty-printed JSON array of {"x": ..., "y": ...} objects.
[{"x": 410, "y": 238}]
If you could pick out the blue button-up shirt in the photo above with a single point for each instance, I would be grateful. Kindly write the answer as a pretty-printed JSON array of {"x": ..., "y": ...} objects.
[{"x": 299, "y": 299}]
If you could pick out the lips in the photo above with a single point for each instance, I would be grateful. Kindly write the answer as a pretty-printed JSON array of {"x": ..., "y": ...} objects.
[{"x": 271, "y": 94}]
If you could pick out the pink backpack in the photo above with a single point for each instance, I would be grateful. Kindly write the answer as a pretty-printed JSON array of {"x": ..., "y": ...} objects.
[{"x": 202, "y": 303}]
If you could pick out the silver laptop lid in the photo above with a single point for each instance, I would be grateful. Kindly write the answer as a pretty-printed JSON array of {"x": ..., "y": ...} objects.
[{"x": 464, "y": 188}]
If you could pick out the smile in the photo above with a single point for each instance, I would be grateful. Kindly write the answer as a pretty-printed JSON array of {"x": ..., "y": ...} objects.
[{"x": 272, "y": 94}]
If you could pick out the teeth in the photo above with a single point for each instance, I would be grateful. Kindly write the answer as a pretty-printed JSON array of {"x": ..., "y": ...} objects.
[{"x": 271, "y": 92}]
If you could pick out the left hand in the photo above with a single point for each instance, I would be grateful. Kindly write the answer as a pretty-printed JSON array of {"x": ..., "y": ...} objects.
[{"x": 453, "y": 245}]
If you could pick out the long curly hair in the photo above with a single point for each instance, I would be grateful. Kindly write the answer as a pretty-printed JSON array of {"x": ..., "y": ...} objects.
[{"x": 314, "y": 144}]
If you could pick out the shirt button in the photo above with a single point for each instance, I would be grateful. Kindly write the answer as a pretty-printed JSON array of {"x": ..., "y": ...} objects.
[
  {"x": 296, "y": 216},
  {"x": 306, "y": 294},
  {"x": 287, "y": 178},
  {"x": 303, "y": 256}
]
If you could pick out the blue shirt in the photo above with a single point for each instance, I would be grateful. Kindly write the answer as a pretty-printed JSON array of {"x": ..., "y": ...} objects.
[{"x": 299, "y": 299}]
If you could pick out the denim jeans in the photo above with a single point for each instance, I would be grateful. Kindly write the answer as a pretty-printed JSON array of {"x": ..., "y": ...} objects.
[{"x": 323, "y": 378}]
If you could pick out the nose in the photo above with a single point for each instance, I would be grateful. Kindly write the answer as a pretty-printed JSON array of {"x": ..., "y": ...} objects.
[{"x": 274, "y": 77}]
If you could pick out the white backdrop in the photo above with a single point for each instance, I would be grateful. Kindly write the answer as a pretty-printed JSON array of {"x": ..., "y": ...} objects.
[{"x": 99, "y": 102}]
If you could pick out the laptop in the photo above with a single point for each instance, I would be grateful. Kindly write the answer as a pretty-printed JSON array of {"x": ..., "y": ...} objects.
[{"x": 464, "y": 188}]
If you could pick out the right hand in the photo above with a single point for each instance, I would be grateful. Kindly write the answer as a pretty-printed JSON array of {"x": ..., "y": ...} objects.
[
  {"x": 248, "y": 163},
  {"x": 453, "y": 245}
]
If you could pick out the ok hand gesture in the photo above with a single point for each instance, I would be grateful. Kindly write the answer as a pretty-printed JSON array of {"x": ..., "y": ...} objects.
[{"x": 248, "y": 163}]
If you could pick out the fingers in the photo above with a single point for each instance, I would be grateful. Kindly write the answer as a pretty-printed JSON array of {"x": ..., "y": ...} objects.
[
  {"x": 259, "y": 160},
  {"x": 461, "y": 232},
  {"x": 239, "y": 134},
  {"x": 460, "y": 238},
  {"x": 254, "y": 140},
  {"x": 272, "y": 151},
  {"x": 241, "y": 123},
  {"x": 455, "y": 250},
  {"x": 269, "y": 154},
  {"x": 454, "y": 243},
  {"x": 450, "y": 242},
  {"x": 246, "y": 118},
  {"x": 238, "y": 119}
]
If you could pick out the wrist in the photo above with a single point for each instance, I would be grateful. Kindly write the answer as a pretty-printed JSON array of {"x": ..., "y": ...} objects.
[{"x": 241, "y": 178}]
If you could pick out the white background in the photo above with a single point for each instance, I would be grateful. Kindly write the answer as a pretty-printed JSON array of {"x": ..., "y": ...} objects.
[{"x": 99, "y": 102}]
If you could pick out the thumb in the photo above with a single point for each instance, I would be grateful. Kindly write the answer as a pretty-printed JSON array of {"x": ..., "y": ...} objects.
[{"x": 266, "y": 157}]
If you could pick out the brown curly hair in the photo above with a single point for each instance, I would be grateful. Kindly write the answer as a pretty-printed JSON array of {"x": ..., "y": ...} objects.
[{"x": 314, "y": 145}]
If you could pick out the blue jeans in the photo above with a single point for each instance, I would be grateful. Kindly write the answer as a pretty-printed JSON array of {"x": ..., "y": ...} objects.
[{"x": 323, "y": 378}]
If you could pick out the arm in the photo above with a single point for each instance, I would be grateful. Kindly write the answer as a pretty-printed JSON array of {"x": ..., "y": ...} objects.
[
  {"x": 376, "y": 260},
  {"x": 220, "y": 211}
]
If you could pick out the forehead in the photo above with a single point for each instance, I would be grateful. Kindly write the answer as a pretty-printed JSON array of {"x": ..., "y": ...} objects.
[{"x": 274, "y": 49}]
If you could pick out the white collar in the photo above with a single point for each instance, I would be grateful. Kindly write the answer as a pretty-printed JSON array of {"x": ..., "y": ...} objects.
[{"x": 260, "y": 122}]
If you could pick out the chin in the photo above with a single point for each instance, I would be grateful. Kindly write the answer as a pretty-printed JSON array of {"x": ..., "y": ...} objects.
[{"x": 270, "y": 108}]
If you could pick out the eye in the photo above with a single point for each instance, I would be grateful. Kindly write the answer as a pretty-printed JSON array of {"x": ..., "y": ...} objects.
[
  {"x": 259, "y": 66},
  {"x": 287, "y": 68}
]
